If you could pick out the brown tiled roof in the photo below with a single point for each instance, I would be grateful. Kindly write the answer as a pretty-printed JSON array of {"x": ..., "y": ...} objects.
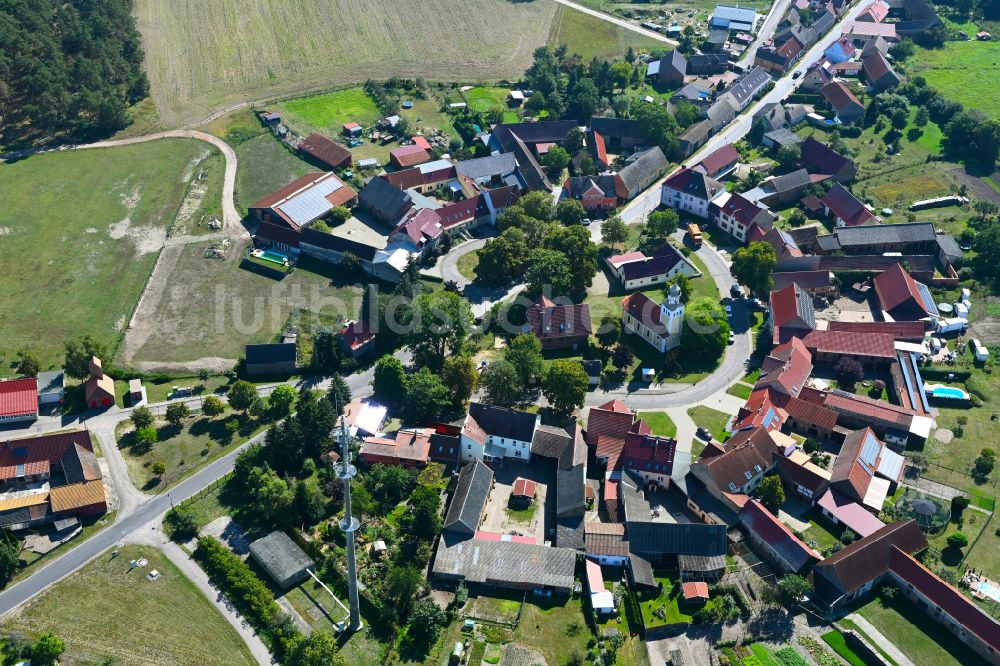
[
  {"x": 38, "y": 453},
  {"x": 642, "y": 308},
  {"x": 945, "y": 597},
  {"x": 805, "y": 279},
  {"x": 875, "y": 345},
  {"x": 415, "y": 177},
  {"x": 752, "y": 447},
  {"x": 407, "y": 156},
  {"x": 801, "y": 475},
  {"x": 322, "y": 149},
  {"x": 807, "y": 413},
  {"x": 720, "y": 158},
  {"x": 868, "y": 558},
  {"x": 408, "y": 445},
  {"x": 899, "y": 330},
  {"x": 551, "y": 322},
  {"x": 77, "y": 495},
  {"x": 649, "y": 453},
  {"x": 896, "y": 289},
  {"x": 279, "y": 234},
  {"x": 610, "y": 419},
  {"x": 786, "y": 368},
  {"x": 840, "y": 96},
  {"x": 846, "y": 206},
  {"x": 613, "y": 545}
]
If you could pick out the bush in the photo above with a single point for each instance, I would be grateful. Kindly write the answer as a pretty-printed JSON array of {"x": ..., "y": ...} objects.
[{"x": 181, "y": 522}]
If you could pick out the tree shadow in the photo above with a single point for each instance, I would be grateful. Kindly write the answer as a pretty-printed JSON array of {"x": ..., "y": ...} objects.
[{"x": 951, "y": 556}]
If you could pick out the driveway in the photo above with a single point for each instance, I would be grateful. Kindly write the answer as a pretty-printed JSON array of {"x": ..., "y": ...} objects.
[{"x": 482, "y": 298}]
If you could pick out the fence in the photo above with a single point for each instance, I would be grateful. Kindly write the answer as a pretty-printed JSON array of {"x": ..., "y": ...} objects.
[
  {"x": 983, "y": 497},
  {"x": 210, "y": 488}
]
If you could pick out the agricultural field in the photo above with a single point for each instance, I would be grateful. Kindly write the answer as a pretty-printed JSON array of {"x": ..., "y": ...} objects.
[
  {"x": 99, "y": 219},
  {"x": 202, "y": 56},
  {"x": 236, "y": 307},
  {"x": 591, "y": 37},
  {"x": 959, "y": 69},
  {"x": 131, "y": 619}
]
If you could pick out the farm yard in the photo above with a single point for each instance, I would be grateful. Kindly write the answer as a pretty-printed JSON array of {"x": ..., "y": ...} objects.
[
  {"x": 236, "y": 307},
  {"x": 202, "y": 56},
  {"x": 99, "y": 219},
  {"x": 131, "y": 619}
]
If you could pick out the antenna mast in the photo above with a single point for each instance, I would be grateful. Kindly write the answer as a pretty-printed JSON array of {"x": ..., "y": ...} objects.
[{"x": 349, "y": 524}]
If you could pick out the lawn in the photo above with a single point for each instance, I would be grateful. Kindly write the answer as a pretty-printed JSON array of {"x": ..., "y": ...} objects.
[
  {"x": 847, "y": 624},
  {"x": 958, "y": 69},
  {"x": 916, "y": 635},
  {"x": 712, "y": 419},
  {"x": 160, "y": 390},
  {"x": 836, "y": 641},
  {"x": 106, "y": 612},
  {"x": 202, "y": 56},
  {"x": 740, "y": 390},
  {"x": 467, "y": 265},
  {"x": 236, "y": 307},
  {"x": 97, "y": 221},
  {"x": 821, "y": 532},
  {"x": 183, "y": 450},
  {"x": 660, "y": 423},
  {"x": 484, "y": 99},
  {"x": 555, "y": 627},
  {"x": 522, "y": 515},
  {"x": 670, "y": 600},
  {"x": 265, "y": 166},
  {"x": 591, "y": 37},
  {"x": 328, "y": 112}
]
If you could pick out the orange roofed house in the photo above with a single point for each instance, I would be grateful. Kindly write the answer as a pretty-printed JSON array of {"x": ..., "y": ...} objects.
[
  {"x": 100, "y": 388},
  {"x": 49, "y": 478}
]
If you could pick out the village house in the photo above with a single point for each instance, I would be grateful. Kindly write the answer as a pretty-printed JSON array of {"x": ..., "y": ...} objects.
[
  {"x": 670, "y": 69},
  {"x": 774, "y": 540},
  {"x": 719, "y": 163},
  {"x": 303, "y": 201},
  {"x": 49, "y": 478},
  {"x": 423, "y": 178},
  {"x": 866, "y": 470},
  {"x": 565, "y": 326},
  {"x": 99, "y": 390},
  {"x": 691, "y": 191},
  {"x": 595, "y": 193},
  {"x": 878, "y": 73},
  {"x": 901, "y": 298},
  {"x": 383, "y": 201},
  {"x": 635, "y": 270},
  {"x": 408, "y": 448},
  {"x": 659, "y": 325},
  {"x": 842, "y": 101},
  {"x": 744, "y": 220},
  {"x": 819, "y": 158},
  {"x": 791, "y": 313},
  {"x": 844, "y": 209},
  {"x": 18, "y": 400},
  {"x": 492, "y": 433},
  {"x": 405, "y": 157}
]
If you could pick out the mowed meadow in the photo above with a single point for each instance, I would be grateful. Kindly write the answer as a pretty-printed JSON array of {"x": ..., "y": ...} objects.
[
  {"x": 203, "y": 55},
  {"x": 80, "y": 232}
]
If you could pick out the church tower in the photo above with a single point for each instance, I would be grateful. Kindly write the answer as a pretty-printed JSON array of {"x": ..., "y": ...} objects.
[{"x": 672, "y": 317}]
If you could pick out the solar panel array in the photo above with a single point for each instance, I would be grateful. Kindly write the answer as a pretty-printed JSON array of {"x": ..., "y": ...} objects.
[
  {"x": 309, "y": 204},
  {"x": 869, "y": 453}
]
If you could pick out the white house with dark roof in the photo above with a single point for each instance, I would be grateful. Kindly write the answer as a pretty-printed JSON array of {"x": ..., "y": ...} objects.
[
  {"x": 691, "y": 191},
  {"x": 492, "y": 433},
  {"x": 660, "y": 325}
]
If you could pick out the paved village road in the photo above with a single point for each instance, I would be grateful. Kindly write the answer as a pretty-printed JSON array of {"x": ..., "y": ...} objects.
[{"x": 766, "y": 32}]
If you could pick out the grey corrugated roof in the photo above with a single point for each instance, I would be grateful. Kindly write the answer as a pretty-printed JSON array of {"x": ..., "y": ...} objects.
[
  {"x": 51, "y": 381},
  {"x": 642, "y": 571},
  {"x": 878, "y": 234},
  {"x": 658, "y": 539},
  {"x": 383, "y": 197},
  {"x": 570, "y": 491},
  {"x": 550, "y": 441},
  {"x": 625, "y": 128},
  {"x": 505, "y": 563},
  {"x": 467, "y": 504},
  {"x": 487, "y": 167},
  {"x": 701, "y": 562},
  {"x": 280, "y": 555},
  {"x": 642, "y": 169},
  {"x": 570, "y": 533}
]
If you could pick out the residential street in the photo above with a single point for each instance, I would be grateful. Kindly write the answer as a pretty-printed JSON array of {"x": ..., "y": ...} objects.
[{"x": 619, "y": 22}]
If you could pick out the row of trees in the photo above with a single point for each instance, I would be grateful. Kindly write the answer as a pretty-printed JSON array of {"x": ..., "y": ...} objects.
[{"x": 68, "y": 69}]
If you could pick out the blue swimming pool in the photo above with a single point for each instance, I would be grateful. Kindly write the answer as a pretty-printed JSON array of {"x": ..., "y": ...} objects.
[
  {"x": 948, "y": 393},
  {"x": 276, "y": 257}
]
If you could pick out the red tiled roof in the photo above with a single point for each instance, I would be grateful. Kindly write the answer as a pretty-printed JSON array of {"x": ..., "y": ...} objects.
[
  {"x": 357, "y": 335},
  {"x": 720, "y": 158},
  {"x": 421, "y": 142},
  {"x": 459, "y": 212},
  {"x": 895, "y": 288},
  {"x": 37, "y": 454},
  {"x": 750, "y": 448},
  {"x": 422, "y": 226},
  {"x": 867, "y": 408},
  {"x": 408, "y": 156},
  {"x": 18, "y": 396},
  {"x": 876, "y": 66},
  {"x": 899, "y": 330},
  {"x": 642, "y": 308},
  {"x": 549, "y": 322},
  {"x": 523, "y": 488},
  {"x": 761, "y": 411},
  {"x": 786, "y": 368},
  {"x": 945, "y": 597},
  {"x": 808, "y": 413},
  {"x": 868, "y": 558},
  {"x": 776, "y": 534},
  {"x": 649, "y": 453},
  {"x": 873, "y": 345},
  {"x": 788, "y": 306},
  {"x": 619, "y": 259},
  {"x": 695, "y": 590},
  {"x": 876, "y": 11},
  {"x": 840, "y": 96},
  {"x": 846, "y": 206},
  {"x": 415, "y": 177},
  {"x": 408, "y": 446},
  {"x": 599, "y": 148},
  {"x": 742, "y": 210}
]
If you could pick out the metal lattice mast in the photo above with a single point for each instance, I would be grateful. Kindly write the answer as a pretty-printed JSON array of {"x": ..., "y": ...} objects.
[{"x": 349, "y": 524}]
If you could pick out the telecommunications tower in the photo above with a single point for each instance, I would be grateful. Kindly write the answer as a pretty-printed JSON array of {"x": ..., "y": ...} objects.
[{"x": 349, "y": 524}]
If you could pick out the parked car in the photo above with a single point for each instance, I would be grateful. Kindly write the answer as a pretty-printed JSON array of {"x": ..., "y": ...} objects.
[
  {"x": 797, "y": 74},
  {"x": 732, "y": 337},
  {"x": 703, "y": 433},
  {"x": 729, "y": 312},
  {"x": 736, "y": 291}
]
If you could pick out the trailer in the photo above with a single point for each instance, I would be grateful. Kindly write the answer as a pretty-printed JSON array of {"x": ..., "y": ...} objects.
[{"x": 952, "y": 325}]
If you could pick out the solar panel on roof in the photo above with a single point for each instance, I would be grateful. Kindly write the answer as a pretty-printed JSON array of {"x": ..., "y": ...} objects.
[
  {"x": 926, "y": 299},
  {"x": 870, "y": 450},
  {"x": 311, "y": 203},
  {"x": 19, "y": 470},
  {"x": 20, "y": 451}
]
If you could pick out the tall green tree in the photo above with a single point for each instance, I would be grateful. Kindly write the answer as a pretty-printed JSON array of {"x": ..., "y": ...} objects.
[
  {"x": 501, "y": 383},
  {"x": 706, "y": 331},
  {"x": 570, "y": 212},
  {"x": 460, "y": 377},
  {"x": 241, "y": 395},
  {"x": 78, "y": 355},
  {"x": 772, "y": 492},
  {"x": 10, "y": 550},
  {"x": 548, "y": 268},
  {"x": 565, "y": 385},
  {"x": 753, "y": 266},
  {"x": 524, "y": 352},
  {"x": 614, "y": 231},
  {"x": 662, "y": 223},
  {"x": 581, "y": 254},
  {"x": 339, "y": 394},
  {"x": 426, "y": 397},
  {"x": 443, "y": 322},
  {"x": 502, "y": 258},
  {"x": 389, "y": 380}
]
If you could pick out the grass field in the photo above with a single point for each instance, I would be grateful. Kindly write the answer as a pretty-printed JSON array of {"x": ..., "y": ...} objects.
[
  {"x": 916, "y": 635},
  {"x": 483, "y": 99},
  {"x": 104, "y": 612},
  {"x": 958, "y": 71},
  {"x": 712, "y": 419},
  {"x": 555, "y": 627},
  {"x": 467, "y": 265},
  {"x": 183, "y": 450},
  {"x": 327, "y": 113},
  {"x": 660, "y": 423},
  {"x": 672, "y": 602},
  {"x": 84, "y": 229},
  {"x": 236, "y": 307},
  {"x": 202, "y": 56},
  {"x": 265, "y": 166},
  {"x": 591, "y": 37}
]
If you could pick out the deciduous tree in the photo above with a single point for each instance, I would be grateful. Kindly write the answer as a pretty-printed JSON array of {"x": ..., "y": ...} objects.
[{"x": 565, "y": 385}]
